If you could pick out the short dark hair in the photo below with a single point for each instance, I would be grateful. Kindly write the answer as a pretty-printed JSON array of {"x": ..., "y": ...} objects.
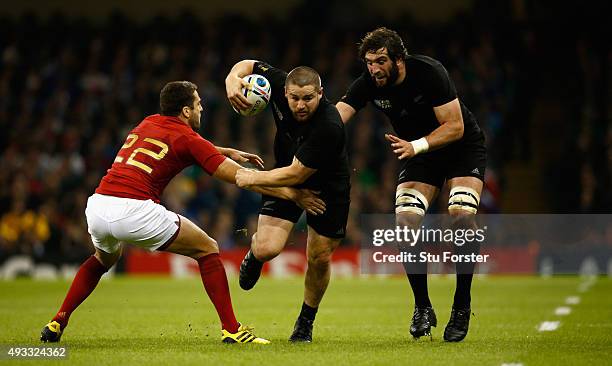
[
  {"x": 383, "y": 38},
  {"x": 302, "y": 76},
  {"x": 174, "y": 96}
]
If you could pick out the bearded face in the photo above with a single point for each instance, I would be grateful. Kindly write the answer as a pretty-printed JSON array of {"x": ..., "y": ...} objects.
[{"x": 383, "y": 71}]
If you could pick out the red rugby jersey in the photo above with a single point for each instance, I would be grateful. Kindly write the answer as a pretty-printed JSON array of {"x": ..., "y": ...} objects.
[{"x": 153, "y": 153}]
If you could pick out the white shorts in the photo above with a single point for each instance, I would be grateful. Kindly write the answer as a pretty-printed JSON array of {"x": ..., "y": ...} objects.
[{"x": 146, "y": 224}]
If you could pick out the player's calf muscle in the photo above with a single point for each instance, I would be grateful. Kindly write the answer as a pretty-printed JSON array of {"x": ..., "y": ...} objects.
[
  {"x": 462, "y": 220},
  {"x": 320, "y": 251},
  {"x": 409, "y": 220}
]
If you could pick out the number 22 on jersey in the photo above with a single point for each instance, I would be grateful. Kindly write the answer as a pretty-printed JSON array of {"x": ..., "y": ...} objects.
[{"x": 132, "y": 160}]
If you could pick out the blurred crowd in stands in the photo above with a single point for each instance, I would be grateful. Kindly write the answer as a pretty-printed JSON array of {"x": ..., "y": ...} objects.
[{"x": 71, "y": 89}]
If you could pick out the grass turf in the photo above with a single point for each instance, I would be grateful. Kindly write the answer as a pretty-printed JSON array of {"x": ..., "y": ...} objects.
[{"x": 361, "y": 321}]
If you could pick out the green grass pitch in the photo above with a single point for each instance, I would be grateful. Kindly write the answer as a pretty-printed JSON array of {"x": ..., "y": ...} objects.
[{"x": 162, "y": 321}]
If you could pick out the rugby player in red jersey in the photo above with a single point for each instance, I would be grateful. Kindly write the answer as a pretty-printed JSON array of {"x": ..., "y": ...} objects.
[{"x": 125, "y": 207}]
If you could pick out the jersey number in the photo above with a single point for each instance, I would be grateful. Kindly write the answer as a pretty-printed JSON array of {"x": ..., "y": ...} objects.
[{"x": 131, "y": 140}]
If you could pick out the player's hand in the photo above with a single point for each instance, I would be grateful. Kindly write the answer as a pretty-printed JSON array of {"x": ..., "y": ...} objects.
[
  {"x": 310, "y": 202},
  {"x": 245, "y": 177},
  {"x": 233, "y": 88},
  {"x": 244, "y": 157},
  {"x": 402, "y": 148}
]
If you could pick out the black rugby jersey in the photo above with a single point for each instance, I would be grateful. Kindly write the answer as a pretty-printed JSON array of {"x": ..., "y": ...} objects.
[
  {"x": 319, "y": 143},
  {"x": 409, "y": 105}
]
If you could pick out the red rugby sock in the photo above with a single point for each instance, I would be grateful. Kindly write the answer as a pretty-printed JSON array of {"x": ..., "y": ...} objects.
[
  {"x": 83, "y": 284},
  {"x": 215, "y": 283}
]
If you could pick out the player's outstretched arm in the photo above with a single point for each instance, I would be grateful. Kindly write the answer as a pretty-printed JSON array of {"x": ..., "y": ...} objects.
[
  {"x": 304, "y": 198},
  {"x": 241, "y": 156},
  {"x": 234, "y": 84},
  {"x": 291, "y": 175},
  {"x": 346, "y": 111}
]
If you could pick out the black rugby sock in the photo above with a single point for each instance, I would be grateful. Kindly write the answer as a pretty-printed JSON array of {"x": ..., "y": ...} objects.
[
  {"x": 462, "y": 292},
  {"x": 308, "y": 312},
  {"x": 418, "y": 282}
]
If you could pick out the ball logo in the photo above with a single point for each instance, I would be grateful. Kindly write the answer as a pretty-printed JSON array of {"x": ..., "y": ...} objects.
[{"x": 257, "y": 93}]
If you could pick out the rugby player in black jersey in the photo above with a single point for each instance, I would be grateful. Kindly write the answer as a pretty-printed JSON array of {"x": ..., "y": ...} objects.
[
  {"x": 310, "y": 152},
  {"x": 437, "y": 139}
]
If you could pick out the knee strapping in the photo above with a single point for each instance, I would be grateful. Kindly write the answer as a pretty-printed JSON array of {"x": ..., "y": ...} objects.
[
  {"x": 410, "y": 200},
  {"x": 463, "y": 198}
]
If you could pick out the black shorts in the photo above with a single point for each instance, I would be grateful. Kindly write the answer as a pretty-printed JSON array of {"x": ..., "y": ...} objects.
[
  {"x": 467, "y": 158},
  {"x": 332, "y": 223}
]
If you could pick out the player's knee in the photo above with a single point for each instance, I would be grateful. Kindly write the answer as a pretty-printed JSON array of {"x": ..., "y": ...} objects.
[
  {"x": 463, "y": 201},
  {"x": 410, "y": 201},
  {"x": 205, "y": 246},
  {"x": 462, "y": 209},
  {"x": 108, "y": 260},
  {"x": 265, "y": 252},
  {"x": 265, "y": 247},
  {"x": 211, "y": 246}
]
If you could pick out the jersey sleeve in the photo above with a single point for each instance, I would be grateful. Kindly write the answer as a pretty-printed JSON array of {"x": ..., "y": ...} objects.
[
  {"x": 204, "y": 153},
  {"x": 324, "y": 142},
  {"x": 275, "y": 76},
  {"x": 357, "y": 95},
  {"x": 438, "y": 87}
]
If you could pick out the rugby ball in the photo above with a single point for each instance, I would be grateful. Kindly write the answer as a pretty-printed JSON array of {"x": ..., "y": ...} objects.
[{"x": 258, "y": 93}]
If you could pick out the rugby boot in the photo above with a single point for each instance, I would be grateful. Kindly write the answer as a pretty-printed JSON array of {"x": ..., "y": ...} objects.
[
  {"x": 302, "y": 331},
  {"x": 422, "y": 321},
  {"x": 250, "y": 270},
  {"x": 457, "y": 327},
  {"x": 243, "y": 335},
  {"x": 52, "y": 332}
]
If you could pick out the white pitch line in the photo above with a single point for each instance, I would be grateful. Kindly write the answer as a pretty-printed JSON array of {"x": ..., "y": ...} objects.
[
  {"x": 512, "y": 364},
  {"x": 572, "y": 300},
  {"x": 549, "y": 326},
  {"x": 563, "y": 310},
  {"x": 586, "y": 284}
]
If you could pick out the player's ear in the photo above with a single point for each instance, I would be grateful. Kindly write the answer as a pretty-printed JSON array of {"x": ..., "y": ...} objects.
[
  {"x": 319, "y": 95},
  {"x": 186, "y": 111}
]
